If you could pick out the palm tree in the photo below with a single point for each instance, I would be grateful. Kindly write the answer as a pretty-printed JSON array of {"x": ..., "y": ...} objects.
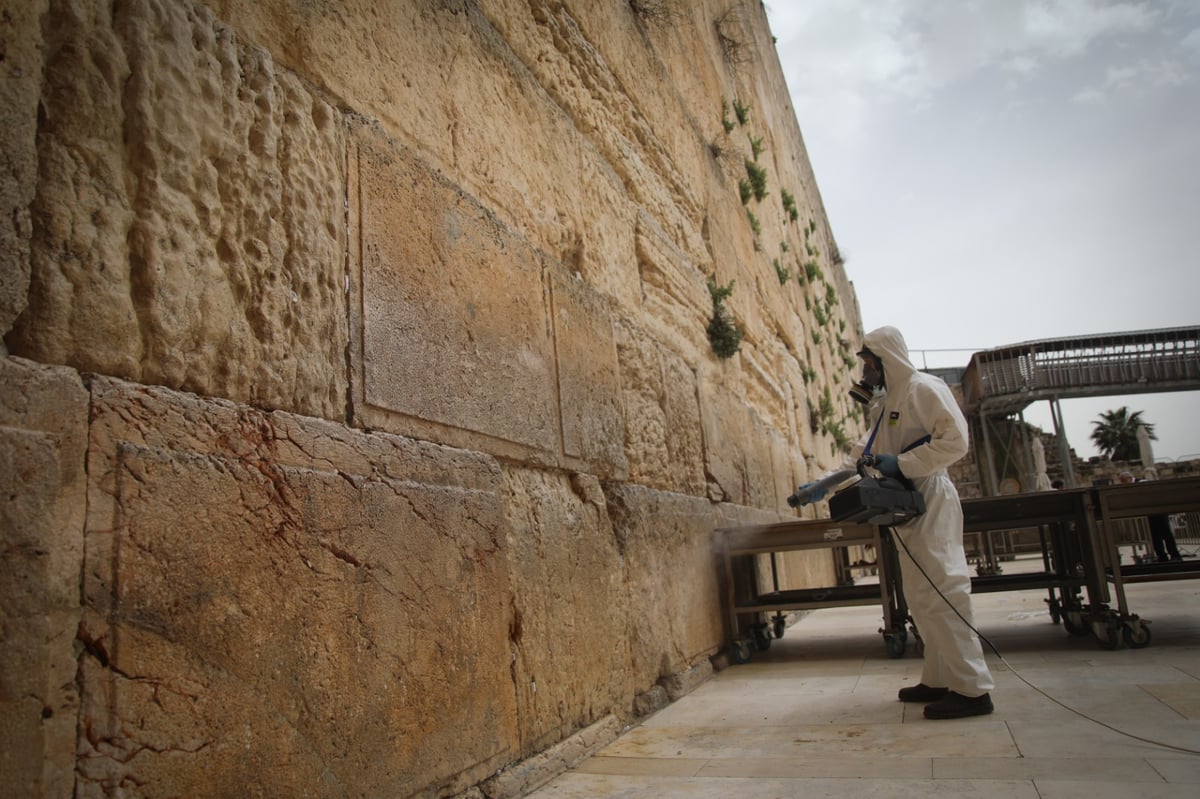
[{"x": 1115, "y": 435}]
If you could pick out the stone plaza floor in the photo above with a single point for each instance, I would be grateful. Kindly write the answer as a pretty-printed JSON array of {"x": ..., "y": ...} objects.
[{"x": 817, "y": 716}]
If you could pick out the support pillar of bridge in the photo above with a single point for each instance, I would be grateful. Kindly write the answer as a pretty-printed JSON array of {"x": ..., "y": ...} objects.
[
  {"x": 985, "y": 461},
  {"x": 1064, "y": 447}
]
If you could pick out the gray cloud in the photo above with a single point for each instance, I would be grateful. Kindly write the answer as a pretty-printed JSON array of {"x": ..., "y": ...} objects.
[{"x": 1016, "y": 169}]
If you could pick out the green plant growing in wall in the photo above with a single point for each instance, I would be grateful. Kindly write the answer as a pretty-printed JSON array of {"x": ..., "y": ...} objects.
[
  {"x": 831, "y": 297},
  {"x": 822, "y": 418},
  {"x": 758, "y": 179},
  {"x": 837, "y": 431},
  {"x": 812, "y": 271},
  {"x": 782, "y": 272},
  {"x": 756, "y": 146},
  {"x": 826, "y": 409},
  {"x": 819, "y": 313},
  {"x": 783, "y": 246},
  {"x": 754, "y": 224},
  {"x": 744, "y": 191},
  {"x": 724, "y": 333},
  {"x": 789, "y": 205},
  {"x": 816, "y": 337},
  {"x": 742, "y": 112},
  {"x": 726, "y": 122}
]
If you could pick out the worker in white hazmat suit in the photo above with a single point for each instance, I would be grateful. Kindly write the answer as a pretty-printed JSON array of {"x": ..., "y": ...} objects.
[{"x": 917, "y": 431}]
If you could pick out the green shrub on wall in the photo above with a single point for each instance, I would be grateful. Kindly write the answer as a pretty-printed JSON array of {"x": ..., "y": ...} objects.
[{"x": 724, "y": 333}]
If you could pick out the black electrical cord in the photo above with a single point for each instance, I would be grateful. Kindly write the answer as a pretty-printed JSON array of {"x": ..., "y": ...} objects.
[{"x": 1021, "y": 677}]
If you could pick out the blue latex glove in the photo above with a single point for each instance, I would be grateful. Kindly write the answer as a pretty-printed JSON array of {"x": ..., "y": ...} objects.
[{"x": 888, "y": 465}]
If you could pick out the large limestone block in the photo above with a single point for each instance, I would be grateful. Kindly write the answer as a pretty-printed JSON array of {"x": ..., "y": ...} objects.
[
  {"x": 455, "y": 326},
  {"x": 570, "y": 604},
  {"x": 677, "y": 304},
  {"x": 189, "y": 222},
  {"x": 440, "y": 78},
  {"x": 663, "y": 435},
  {"x": 279, "y": 606},
  {"x": 43, "y": 435},
  {"x": 604, "y": 252},
  {"x": 571, "y": 61},
  {"x": 467, "y": 334},
  {"x": 763, "y": 380},
  {"x": 589, "y": 380},
  {"x": 674, "y": 624},
  {"x": 21, "y": 67},
  {"x": 745, "y": 458}
]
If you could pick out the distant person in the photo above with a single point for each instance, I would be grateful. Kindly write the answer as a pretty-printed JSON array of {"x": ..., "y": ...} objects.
[
  {"x": 1161, "y": 535},
  {"x": 1162, "y": 538},
  {"x": 1057, "y": 484}
]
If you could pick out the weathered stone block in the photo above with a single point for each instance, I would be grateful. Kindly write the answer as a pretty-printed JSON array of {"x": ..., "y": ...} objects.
[
  {"x": 455, "y": 323},
  {"x": 741, "y": 469},
  {"x": 570, "y": 605},
  {"x": 603, "y": 252},
  {"x": 673, "y": 624},
  {"x": 663, "y": 437},
  {"x": 280, "y": 605},
  {"x": 468, "y": 334},
  {"x": 189, "y": 218},
  {"x": 438, "y": 77},
  {"x": 589, "y": 382},
  {"x": 568, "y": 51},
  {"x": 650, "y": 701},
  {"x": 677, "y": 303},
  {"x": 43, "y": 432},
  {"x": 683, "y": 683},
  {"x": 528, "y": 775},
  {"x": 20, "y": 46}
]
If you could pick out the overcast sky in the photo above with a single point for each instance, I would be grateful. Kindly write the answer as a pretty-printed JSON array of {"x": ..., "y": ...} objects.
[{"x": 997, "y": 171}]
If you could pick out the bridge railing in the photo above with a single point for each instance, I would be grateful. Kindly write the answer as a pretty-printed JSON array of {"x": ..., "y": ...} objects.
[{"x": 1008, "y": 378}]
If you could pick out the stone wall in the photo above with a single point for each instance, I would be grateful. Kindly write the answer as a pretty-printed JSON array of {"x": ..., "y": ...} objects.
[{"x": 362, "y": 435}]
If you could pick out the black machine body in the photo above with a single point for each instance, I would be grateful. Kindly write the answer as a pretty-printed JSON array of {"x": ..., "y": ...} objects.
[{"x": 883, "y": 501}]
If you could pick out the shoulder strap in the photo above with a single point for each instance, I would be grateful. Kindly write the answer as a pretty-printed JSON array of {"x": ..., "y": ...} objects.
[{"x": 871, "y": 440}]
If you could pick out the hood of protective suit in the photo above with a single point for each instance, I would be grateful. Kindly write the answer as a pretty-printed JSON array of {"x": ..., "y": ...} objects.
[{"x": 889, "y": 346}]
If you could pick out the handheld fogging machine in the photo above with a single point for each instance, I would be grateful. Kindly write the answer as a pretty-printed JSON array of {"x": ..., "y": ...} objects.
[{"x": 865, "y": 499}]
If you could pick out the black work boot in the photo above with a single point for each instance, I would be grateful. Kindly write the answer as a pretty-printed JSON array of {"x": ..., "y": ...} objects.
[
  {"x": 922, "y": 693},
  {"x": 956, "y": 706}
]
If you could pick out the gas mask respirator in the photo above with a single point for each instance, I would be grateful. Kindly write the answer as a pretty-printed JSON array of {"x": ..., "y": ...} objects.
[{"x": 872, "y": 380}]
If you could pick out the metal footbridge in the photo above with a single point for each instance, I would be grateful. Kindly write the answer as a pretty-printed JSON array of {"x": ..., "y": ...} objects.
[{"x": 1005, "y": 380}]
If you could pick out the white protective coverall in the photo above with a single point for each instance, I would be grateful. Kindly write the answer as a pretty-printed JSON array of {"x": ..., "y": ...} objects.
[{"x": 917, "y": 405}]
